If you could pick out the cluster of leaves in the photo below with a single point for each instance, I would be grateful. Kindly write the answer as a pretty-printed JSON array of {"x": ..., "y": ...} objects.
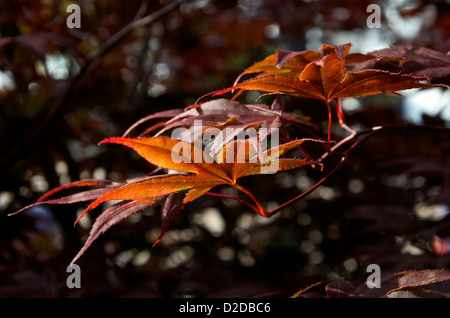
[
  {"x": 205, "y": 45},
  {"x": 410, "y": 284},
  {"x": 322, "y": 75}
]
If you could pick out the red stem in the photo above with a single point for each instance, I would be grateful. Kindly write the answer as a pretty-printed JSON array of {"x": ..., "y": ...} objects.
[
  {"x": 254, "y": 208},
  {"x": 329, "y": 121},
  {"x": 339, "y": 111},
  {"x": 259, "y": 208},
  {"x": 304, "y": 194},
  {"x": 366, "y": 135}
]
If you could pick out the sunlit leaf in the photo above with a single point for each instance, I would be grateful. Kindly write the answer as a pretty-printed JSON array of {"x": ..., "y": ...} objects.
[
  {"x": 197, "y": 174},
  {"x": 327, "y": 79}
]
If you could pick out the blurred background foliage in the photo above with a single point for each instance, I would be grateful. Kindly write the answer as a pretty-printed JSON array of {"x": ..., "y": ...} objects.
[{"x": 63, "y": 90}]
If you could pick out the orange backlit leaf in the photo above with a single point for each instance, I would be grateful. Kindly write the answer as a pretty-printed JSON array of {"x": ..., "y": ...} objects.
[
  {"x": 327, "y": 79},
  {"x": 203, "y": 172},
  {"x": 192, "y": 174}
]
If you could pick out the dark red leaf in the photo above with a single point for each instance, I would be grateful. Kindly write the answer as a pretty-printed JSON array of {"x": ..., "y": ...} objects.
[
  {"x": 111, "y": 216},
  {"x": 404, "y": 280},
  {"x": 419, "y": 61}
]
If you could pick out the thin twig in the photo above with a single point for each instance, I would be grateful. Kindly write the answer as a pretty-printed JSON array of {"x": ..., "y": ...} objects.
[
  {"x": 122, "y": 33},
  {"x": 72, "y": 85},
  {"x": 307, "y": 192},
  {"x": 365, "y": 134},
  {"x": 251, "y": 206}
]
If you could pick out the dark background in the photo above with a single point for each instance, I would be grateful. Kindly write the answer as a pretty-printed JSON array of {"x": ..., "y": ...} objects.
[{"x": 57, "y": 102}]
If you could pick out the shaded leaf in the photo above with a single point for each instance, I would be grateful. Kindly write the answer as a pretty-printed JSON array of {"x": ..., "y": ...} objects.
[
  {"x": 404, "y": 280},
  {"x": 310, "y": 291},
  {"x": 81, "y": 183},
  {"x": 112, "y": 216},
  {"x": 408, "y": 284},
  {"x": 419, "y": 61},
  {"x": 339, "y": 288},
  {"x": 172, "y": 206},
  {"x": 164, "y": 114},
  {"x": 230, "y": 120},
  {"x": 415, "y": 293},
  {"x": 74, "y": 198}
]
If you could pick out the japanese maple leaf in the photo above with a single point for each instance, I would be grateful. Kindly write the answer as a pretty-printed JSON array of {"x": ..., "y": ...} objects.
[
  {"x": 293, "y": 63},
  {"x": 223, "y": 113},
  {"x": 230, "y": 120},
  {"x": 418, "y": 61},
  {"x": 323, "y": 77},
  {"x": 204, "y": 172},
  {"x": 197, "y": 176}
]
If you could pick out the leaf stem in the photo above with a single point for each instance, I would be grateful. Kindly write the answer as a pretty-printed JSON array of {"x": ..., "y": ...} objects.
[
  {"x": 337, "y": 145},
  {"x": 341, "y": 118},
  {"x": 329, "y": 123},
  {"x": 258, "y": 208},
  {"x": 366, "y": 134},
  {"x": 307, "y": 192},
  {"x": 254, "y": 208}
]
